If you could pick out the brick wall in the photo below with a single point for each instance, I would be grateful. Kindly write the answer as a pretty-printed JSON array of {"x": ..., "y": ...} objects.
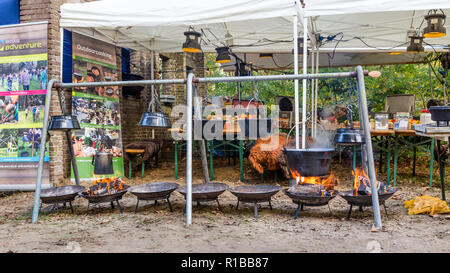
[{"x": 167, "y": 66}]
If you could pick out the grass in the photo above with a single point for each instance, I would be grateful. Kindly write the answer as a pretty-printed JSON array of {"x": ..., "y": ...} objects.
[
  {"x": 29, "y": 149},
  {"x": 34, "y": 85},
  {"x": 4, "y": 154}
]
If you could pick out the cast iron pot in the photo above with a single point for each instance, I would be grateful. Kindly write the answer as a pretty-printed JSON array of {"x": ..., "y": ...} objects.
[
  {"x": 103, "y": 163},
  {"x": 440, "y": 113},
  {"x": 309, "y": 162},
  {"x": 346, "y": 136}
]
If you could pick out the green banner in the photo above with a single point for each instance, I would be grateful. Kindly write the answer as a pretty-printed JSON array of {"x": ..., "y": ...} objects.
[
  {"x": 92, "y": 61},
  {"x": 24, "y": 58},
  {"x": 96, "y": 108}
]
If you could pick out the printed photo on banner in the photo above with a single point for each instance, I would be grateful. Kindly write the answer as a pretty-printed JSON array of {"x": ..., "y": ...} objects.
[
  {"x": 96, "y": 111},
  {"x": 9, "y": 111},
  {"x": 31, "y": 111},
  {"x": 23, "y": 76},
  {"x": 29, "y": 142},
  {"x": 88, "y": 140},
  {"x": 8, "y": 143}
]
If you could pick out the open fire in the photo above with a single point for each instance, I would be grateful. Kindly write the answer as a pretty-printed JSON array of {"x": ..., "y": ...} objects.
[
  {"x": 362, "y": 185},
  {"x": 106, "y": 186},
  {"x": 312, "y": 185}
]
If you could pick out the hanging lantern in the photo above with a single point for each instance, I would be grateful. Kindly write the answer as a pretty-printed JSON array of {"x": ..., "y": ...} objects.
[
  {"x": 192, "y": 44},
  {"x": 435, "y": 25},
  {"x": 415, "y": 46},
  {"x": 265, "y": 55},
  {"x": 223, "y": 55},
  {"x": 300, "y": 45},
  {"x": 445, "y": 61},
  {"x": 63, "y": 123}
]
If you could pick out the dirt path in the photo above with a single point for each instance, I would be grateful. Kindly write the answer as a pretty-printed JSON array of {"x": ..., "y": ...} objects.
[{"x": 156, "y": 229}]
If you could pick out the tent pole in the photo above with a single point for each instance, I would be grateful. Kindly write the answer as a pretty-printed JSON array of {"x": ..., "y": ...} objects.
[
  {"x": 305, "y": 71},
  {"x": 369, "y": 150},
  {"x": 316, "y": 92},
  {"x": 189, "y": 150},
  {"x": 152, "y": 77},
  {"x": 296, "y": 98},
  {"x": 312, "y": 94}
]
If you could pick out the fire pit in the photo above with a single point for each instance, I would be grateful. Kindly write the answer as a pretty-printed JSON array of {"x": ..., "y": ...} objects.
[
  {"x": 313, "y": 192},
  {"x": 63, "y": 194},
  {"x": 205, "y": 192},
  {"x": 255, "y": 194},
  {"x": 105, "y": 190},
  {"x": 361, "y": 194},
  {"x": 153, "y": 191},
  {"x": 302, "y": 199},
  {"x": 366, "y": 200}
]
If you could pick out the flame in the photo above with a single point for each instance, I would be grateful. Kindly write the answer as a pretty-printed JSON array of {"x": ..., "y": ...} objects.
[
  {"x": 328, "y": 183},
  {"x": 360, "y": 177},
  {"x": 111, "y": 184}
]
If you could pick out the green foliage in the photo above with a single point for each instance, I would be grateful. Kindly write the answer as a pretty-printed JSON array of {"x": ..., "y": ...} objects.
[{"x": 394, "y": 79}]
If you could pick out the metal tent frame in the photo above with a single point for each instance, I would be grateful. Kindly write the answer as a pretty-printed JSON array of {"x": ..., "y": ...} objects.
[{"x": 364, "y": 121}]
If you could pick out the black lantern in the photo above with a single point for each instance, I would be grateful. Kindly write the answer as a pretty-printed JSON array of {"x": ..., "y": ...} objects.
[
  {"x": 192, "y": 44},
  {"x": 415, "y": 46},
  {"x": 103, "y": 163},
  {"x": 300, "y": 45},
  {"x": 445, "y": 61},
  {"x": 435, "y": 25},
  {"x": 223, "y": 55},
  {"x": 63, "y": 123}
]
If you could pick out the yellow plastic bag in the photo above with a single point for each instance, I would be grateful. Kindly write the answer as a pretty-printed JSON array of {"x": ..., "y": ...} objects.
[{"x": 426, "y": 204}]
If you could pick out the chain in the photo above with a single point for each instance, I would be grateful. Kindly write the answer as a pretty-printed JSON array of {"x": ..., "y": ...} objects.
[{"x": 62, "y": 100}]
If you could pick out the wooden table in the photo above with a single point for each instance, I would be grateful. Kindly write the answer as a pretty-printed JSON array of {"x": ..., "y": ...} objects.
[
  {"x": 410, "y": 139},
  {"x": 383, "y": 144},
  {"x": 441, "y": 159},
  {"x": 134, "y": 153}
]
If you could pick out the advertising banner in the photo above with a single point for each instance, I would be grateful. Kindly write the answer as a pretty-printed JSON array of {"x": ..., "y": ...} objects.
[
  {"x": 23, "y": 79},
  {"x": 97, "y": 108}
]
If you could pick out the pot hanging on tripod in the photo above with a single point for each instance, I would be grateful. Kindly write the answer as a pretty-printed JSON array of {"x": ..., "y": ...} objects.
[
  {"x": 103, "y": 163},
  {"x": 349, "y": 136}
]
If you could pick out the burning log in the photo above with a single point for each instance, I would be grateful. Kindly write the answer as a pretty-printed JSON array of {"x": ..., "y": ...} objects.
[
  {"x": 106, "y": 186},
  {"x": 313, "y": 186},
  {"x": 362, "y": 184}
]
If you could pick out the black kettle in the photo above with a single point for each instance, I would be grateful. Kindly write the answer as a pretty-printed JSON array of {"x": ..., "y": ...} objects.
[{"x": 103, "y": 163}]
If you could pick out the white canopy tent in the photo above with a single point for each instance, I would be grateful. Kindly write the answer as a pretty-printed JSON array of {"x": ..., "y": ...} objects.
[{"x": 250, "y": 26}]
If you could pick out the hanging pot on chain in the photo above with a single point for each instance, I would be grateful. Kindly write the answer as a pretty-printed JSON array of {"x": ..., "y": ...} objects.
[{"x": 103, "y": 163}]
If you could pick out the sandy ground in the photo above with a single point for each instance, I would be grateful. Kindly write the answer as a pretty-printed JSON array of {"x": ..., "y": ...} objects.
[{"x": 155, "y": 229}]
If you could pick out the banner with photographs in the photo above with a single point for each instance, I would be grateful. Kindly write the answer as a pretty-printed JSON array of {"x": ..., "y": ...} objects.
[
  {"x": 23, "y": 79},
  {"x": 97, "y": 108}
]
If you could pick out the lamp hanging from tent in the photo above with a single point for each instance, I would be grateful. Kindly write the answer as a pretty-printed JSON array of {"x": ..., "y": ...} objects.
[
  {"x": 154, "y": 119},
  {"x": 192, "y": 44},
  {"x": 435, "y": 24},
  {"x": 223, "y": 55},
  {"x": 265, "y": 55},
  {"x": 300, "y": 44},
  {"x": 445, "y": 61},
  {"x": 415, "y": 45}
]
